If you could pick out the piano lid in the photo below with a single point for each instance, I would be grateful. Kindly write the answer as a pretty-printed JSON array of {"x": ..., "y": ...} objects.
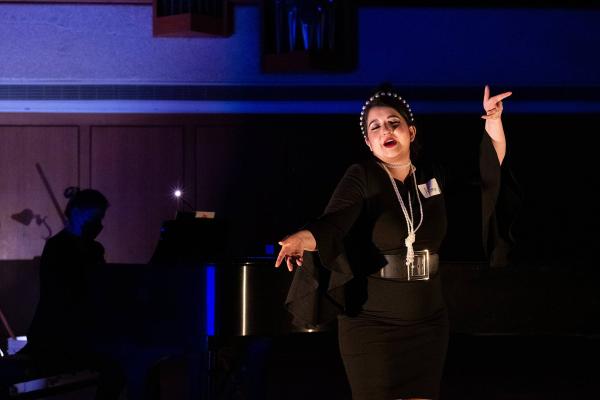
[{"x": 190, "y": 240}]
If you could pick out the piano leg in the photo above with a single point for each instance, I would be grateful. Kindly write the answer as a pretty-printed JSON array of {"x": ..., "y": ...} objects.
[{"x": 211, "y": 372}]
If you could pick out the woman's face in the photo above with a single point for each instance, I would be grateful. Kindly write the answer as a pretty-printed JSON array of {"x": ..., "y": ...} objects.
[{"x": 388, "y": 135}]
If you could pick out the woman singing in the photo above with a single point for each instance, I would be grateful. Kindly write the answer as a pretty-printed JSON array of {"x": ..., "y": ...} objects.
[{"x": 372, "y": 257}]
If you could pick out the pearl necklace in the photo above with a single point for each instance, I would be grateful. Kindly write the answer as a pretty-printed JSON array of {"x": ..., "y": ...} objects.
[
  {"x": 390, "y": 165},
  {"x": 410, "y": 237}
]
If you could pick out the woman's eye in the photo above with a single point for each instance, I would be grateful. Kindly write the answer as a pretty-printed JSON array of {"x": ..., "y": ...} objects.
[{"x": 374, "y": 127}]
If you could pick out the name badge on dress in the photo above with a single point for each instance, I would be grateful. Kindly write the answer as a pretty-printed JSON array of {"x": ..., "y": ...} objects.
[{"x": 430, "y": 188}]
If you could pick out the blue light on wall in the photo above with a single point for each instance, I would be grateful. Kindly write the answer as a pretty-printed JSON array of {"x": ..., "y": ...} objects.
[
  {"x": 409, "y": 46},
  {"x": 269, "y": 249},
  {"x": 210, "y": 298}
]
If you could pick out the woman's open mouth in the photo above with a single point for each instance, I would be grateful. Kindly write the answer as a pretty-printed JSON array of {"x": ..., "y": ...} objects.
[{"x": 389, "y": 143}]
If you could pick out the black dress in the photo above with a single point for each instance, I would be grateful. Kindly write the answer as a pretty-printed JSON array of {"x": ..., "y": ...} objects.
[{"x": 392, "y": 334}]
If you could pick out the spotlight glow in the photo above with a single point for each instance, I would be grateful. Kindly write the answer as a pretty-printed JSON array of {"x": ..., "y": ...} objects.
[{"x": 177, "y": 193}]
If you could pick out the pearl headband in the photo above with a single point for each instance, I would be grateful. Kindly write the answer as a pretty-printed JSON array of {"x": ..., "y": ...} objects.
[{"x": 411, "y": 118}]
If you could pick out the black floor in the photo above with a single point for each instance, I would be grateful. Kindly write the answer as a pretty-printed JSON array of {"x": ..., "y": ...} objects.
[
  {"x": 522, "y": 367},
  {"x": 491, "y": 367},
  {"x": 307, "y": 366}
]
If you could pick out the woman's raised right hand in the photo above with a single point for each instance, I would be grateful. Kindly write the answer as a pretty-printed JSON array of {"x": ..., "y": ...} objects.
[{"x": 293, "y": 248}]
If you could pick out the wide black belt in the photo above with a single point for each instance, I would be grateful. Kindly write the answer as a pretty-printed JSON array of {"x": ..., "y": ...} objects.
[{"x": 396, "y": 267}]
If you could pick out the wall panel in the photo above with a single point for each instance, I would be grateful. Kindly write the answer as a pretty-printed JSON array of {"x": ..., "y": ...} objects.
[
  {"x": 136, "y": 167},
  {"x": 55, "y": 150},
  {"x": 240, "y": 174}
]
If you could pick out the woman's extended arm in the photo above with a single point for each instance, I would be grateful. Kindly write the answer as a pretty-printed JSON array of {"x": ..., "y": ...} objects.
[
  {"x": 493, "y": 122},
  {"x": 342, "y": 211}
]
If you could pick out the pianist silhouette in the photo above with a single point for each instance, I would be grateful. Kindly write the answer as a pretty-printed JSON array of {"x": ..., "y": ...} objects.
[{"x": 61, "y": 335}]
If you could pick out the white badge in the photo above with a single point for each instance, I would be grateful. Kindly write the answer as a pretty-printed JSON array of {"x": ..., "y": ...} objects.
[{"x": 431, "y": 188}]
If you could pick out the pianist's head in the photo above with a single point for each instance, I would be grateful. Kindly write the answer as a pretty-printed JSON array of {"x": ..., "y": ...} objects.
[{"x": 85, "y": 211}]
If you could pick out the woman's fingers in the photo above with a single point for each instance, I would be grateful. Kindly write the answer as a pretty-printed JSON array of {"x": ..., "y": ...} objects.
[
  {"x": 290, "y": 260},
  {"x": 493, "y": 113},
  {"x": 280, "y": 257},
  {"x": 283, "y": 252},
  {"x": 499, "y": 97},
  {"x": 290, "y": 253},
  {"x": 491, "y": 102},
  {"x": 293, "y": 248}
]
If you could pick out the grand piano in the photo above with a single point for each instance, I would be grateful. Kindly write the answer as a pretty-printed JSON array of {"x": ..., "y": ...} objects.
[{"x": 242, "y": 296}]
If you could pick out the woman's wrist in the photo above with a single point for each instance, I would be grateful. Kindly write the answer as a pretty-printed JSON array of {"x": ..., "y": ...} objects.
[
  {"x": 495, "y": 131},
  {"x": 309, "y": 243}
]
